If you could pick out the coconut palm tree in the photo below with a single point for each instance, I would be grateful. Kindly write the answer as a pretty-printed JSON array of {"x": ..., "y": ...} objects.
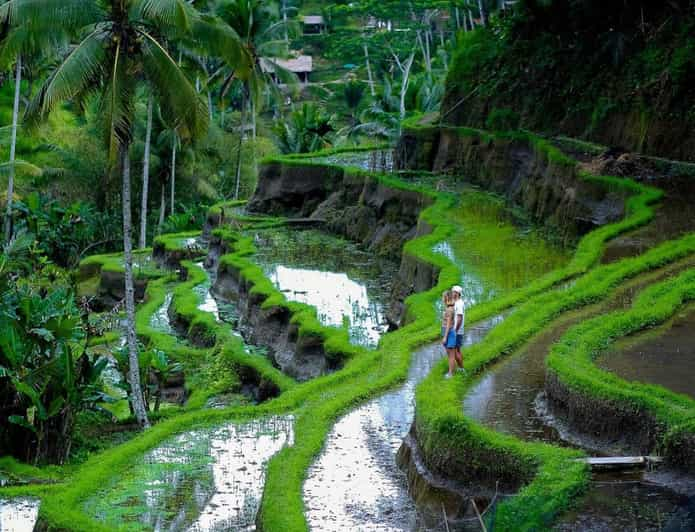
[
  {"x": 258, "y": 25},
  {"x": 17, "y": 44},
  {"x": 122, "y": 46}
]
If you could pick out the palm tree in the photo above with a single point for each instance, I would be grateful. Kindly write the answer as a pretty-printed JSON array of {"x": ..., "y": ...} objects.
[
  {"x": 121, "y": 47},
  {"x": 16, "y": 44},
  {"x": 257, "y": 24},
  {"x": 146, "y": 174}
]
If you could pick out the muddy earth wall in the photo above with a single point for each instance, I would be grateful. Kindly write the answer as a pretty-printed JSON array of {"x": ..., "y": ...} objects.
[{"x": 553, "y": 194}]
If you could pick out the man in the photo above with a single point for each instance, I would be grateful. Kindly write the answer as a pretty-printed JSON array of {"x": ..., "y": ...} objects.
[{"x": 459, "y": 318}]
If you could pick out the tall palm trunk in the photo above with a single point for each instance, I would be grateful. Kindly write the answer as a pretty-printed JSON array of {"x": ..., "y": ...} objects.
[
  {"x": 137, "y": 399},
  {"x": 162, "y": 209},
  {"x": 173, "y": 172},
  {"x": 13, "y": 148},
  {"x": 369, "y": 70},
  {"x": 242, "y": 133},
  {"x": 146, "y": 176},
  {"x": 404, "y": 83},
  {"x": 483, "y": 18}
]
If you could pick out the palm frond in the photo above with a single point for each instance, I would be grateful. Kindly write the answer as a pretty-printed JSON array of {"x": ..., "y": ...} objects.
[
  {"x": 21, "y": 167},
  {"x": 50, "y": 14},
  {"x": 213, "y": 37},
  {"x": 118, "y": 105},
  {"x": 166, "y": 15},
  {"x": 77, "y": 72},
  {"x": 180, "y": 103}
]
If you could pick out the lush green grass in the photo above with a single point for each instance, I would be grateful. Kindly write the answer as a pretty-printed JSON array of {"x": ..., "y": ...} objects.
[
  {"x": 143, "y": 265},
  {"x": 487, "y": 242},
  {"x": 174, "y": 241},
  {"x": 571, "y": 360}
]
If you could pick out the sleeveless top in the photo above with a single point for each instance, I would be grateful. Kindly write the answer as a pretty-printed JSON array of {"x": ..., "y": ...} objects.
[{"x": 447, "y": 315}]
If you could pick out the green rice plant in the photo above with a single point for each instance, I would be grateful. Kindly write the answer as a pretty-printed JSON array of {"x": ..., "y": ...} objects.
[{"x": 571, "y": 361}]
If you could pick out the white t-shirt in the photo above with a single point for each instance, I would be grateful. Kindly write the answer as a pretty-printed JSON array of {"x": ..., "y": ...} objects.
[{"x": 459, "y": 310}]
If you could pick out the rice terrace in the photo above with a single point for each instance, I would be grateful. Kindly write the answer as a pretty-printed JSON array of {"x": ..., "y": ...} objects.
[{"x": 396, "y": 265}]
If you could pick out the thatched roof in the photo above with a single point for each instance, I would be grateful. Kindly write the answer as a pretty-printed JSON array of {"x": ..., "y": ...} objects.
[{"x": 301, "y": 64}]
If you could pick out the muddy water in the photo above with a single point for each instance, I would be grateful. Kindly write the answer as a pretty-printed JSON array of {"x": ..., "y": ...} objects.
[
  {"x": 510, "y": 399},
  {"x": 204, "y": 480},
  {"x": 631, "y": 501},
  {"x": 509, "y": 396},
  {"x": 346, "y": 285},
  {"x": 673, "y": 218},
  {"x": 665, "y": 356},
  {"x": 18, "y": 515},
  {"x": 355, "y": 483}
]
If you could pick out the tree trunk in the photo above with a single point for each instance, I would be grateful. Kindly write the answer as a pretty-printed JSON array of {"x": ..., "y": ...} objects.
[
  {"x": 470, "y": 19},
  {"x": 162, "y": 209},
  {"x": 284, "y": 20},
  {"x": 483, "y": 19},
  {"x": 242, "y": 134},
  {"x": 173, "y": 173},
  {"x": 146, "y": 176},
  {"x": 134, "y": 370},
  {"x": 405, "y": 82},
  {"x": 210, "y": 113},
  {"x": 425, "y": 55},
  {"x": 13, "y": 148},
  {"x": 369, "y": 70}
]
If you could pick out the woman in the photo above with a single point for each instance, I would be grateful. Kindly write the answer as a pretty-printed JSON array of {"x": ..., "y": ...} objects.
[{"x": 449, "y": 331}]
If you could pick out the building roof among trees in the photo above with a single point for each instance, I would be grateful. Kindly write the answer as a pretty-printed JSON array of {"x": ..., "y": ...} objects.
[{"x": 303, "y": 63}]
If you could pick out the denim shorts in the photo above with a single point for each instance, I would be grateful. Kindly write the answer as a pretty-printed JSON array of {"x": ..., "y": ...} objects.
[
  {"x": 450, "y": 339},
  {"x": 459, "y": 341}
]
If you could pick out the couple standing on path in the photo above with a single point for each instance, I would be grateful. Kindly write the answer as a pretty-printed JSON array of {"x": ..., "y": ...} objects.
[{"x": 452, "y": 328}]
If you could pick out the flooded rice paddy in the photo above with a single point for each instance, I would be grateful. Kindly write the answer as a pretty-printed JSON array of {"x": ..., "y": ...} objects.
[
  {"x": 207, "y": 479},
  {"x": 355, "y": 483},
  {"x": 664, "y": 356},
  {"x": 629, "y": 501},
  {"x": 18, "y": 515},
  {"x": 347, "y": 286},
  {"x": 160, "y": 321}
]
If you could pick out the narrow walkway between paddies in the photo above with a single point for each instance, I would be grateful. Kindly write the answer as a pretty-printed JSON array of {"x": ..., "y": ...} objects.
[{"x": 355, "y": 484}]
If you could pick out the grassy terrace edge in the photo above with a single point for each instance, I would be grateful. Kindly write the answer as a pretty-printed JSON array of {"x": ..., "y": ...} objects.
[{"x": 571, "y": 362}]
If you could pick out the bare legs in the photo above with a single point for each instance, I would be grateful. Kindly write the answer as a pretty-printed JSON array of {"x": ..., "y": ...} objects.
[{"x": 451, "y": 353}]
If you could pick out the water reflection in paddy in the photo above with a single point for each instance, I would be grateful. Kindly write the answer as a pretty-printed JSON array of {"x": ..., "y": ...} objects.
[
  {"x": 18, "y": 515},
  {"x": 160, "y": 318},
  {"x": 629, "y": 501},
  {"x": 355, "y": 483},
  {"x": 341, "y": 281},
  {"x": 207, "y": 302},
  {"x": 204, "y": 480}
]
